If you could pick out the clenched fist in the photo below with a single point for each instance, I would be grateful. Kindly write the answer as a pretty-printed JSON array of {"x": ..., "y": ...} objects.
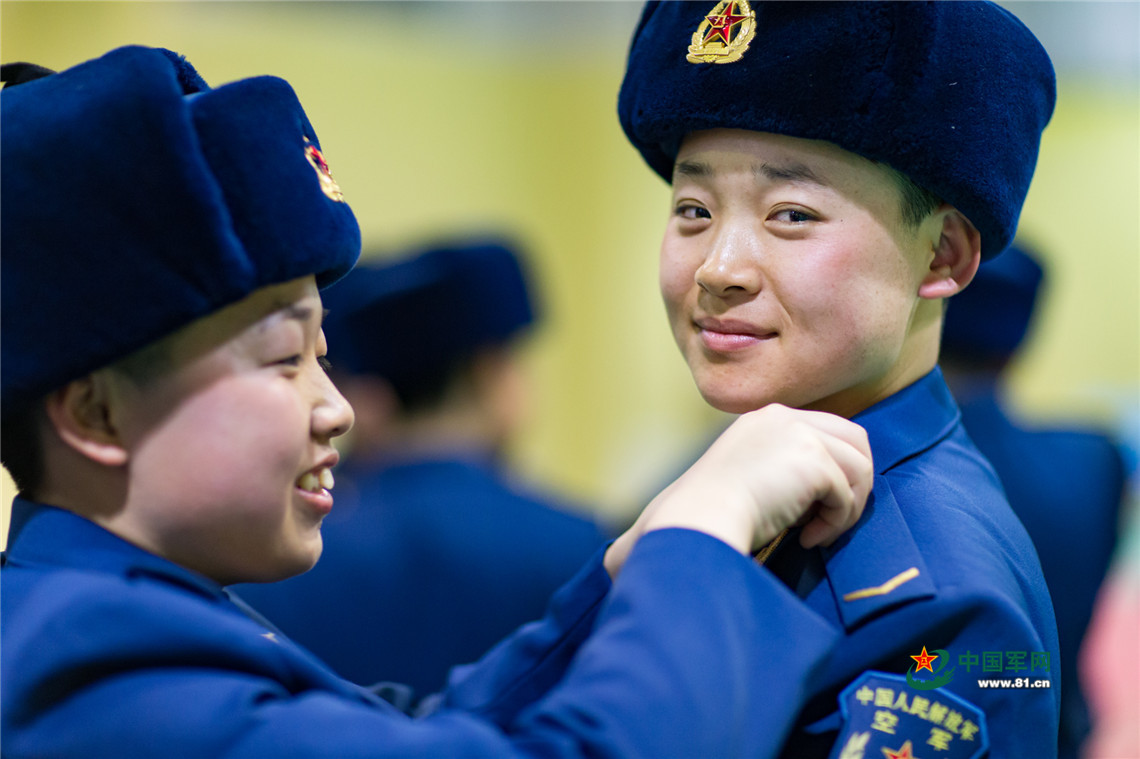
[{"x": 773, "y": 468}]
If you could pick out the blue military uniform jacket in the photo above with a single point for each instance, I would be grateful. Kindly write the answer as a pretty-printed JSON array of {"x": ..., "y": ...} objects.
[
  {"x": 109, "y": 651},
  {"x": 427, "y": 563},
  {"x": 938, "y": 563},
  {"x": 1067, "y": 487}
]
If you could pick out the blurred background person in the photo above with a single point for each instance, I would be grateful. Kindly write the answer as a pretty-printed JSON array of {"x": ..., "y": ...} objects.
[
  {"x": 1067, "y": 484},
  {"x": 1109, "y": 668},
  {"x": 433, "y": 553}
]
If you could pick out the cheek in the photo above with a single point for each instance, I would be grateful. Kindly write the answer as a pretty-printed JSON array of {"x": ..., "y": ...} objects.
[
  {"x": 860, "y": 314},
  {"x": 676, "y": 276},
  {"x": 853, "y": 288},
  {"x": 236, "y": 431}
]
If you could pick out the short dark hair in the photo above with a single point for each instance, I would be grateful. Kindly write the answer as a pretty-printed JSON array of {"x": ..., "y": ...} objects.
[
  {"x": 21, "y": 449},
  {"x": 916, "y": 202}
]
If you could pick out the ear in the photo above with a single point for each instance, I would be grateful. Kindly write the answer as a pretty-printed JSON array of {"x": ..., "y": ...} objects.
[
  {"x": 957, "y": 255},
  {"x": 81, "y": 415}
]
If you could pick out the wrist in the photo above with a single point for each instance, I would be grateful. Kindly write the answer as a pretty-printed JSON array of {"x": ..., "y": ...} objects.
[{"x": 730, "y": 521}]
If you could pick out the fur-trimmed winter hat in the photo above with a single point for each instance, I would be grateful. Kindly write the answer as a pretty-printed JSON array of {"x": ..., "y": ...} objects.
[
  {"x": 953, "y": 94},
  {"x": 136, "y": 199},
  {"x": 414, "y": 318}
]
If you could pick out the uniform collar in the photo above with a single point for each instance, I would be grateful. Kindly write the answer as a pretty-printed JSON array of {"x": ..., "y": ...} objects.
[
  {"x": 48, "y": 535},
  {"x": 910, "y": 421},
  {"x": 877, "y": 565}
]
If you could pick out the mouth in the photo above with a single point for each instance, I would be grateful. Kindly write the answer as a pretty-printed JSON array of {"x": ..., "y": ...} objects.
[
  {"x": 727, "y": 336},
  {"x": 315, "y": 482},
  {"x": 315, "y": 487}
]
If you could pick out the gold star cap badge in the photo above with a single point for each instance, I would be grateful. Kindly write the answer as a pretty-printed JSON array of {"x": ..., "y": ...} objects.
[
  {"x": 328, "y": 185},
  {"x": 724, "y": 34}
]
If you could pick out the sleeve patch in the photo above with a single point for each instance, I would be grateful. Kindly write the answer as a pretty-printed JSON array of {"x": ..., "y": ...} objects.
[{"x": 884, "y": 717}]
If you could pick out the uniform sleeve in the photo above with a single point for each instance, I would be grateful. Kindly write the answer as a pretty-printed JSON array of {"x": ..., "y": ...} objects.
[
  {"x": 1004, "y": 667},
  {"x": 523, "y": 667},
  {"x": 673, "y": 667},
  {"x": 957, "y": 708}
]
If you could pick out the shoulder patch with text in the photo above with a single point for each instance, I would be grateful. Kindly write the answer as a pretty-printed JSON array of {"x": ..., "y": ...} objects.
[{"x": 884, "y": 717}]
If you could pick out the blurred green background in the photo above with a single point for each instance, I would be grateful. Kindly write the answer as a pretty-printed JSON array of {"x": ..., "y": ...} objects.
[{"x": 446, "y": 118}]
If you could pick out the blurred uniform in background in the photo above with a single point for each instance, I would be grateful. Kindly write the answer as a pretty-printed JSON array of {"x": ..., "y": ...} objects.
[
  {"x": 432, "y": 554},
  {"x": 1066, "y": 485}
]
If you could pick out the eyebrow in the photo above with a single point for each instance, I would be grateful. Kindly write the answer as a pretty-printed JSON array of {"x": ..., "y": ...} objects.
[
  {"x": 789, "y": 172},
  {"x": 692, "y": 169},
  {"x": 297, "y": 312},
  {"x": 293, "y": 311},
  {"x": 769, "y": 172}
]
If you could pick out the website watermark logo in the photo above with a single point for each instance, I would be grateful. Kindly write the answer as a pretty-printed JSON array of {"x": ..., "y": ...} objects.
[
  {"x": 925, "y": 661},
  {"x": 1013, "y": 667}
]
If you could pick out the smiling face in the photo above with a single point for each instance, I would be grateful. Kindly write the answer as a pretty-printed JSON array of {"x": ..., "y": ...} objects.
[
  {"x": 229, "y": 441},
  {"x": 789, "y": 276}
]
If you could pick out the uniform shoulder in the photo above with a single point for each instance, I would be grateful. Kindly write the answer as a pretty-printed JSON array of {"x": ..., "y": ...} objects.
[
  {"x": 939, "y": 527},
  {"x": 126, "y": 620}
]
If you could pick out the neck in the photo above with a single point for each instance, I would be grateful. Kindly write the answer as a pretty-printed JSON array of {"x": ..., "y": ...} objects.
[{"x": 917, "y": 358}]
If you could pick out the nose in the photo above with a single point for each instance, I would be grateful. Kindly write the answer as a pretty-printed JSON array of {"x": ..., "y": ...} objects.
[
  {"x": 332, "y": 415},
  {"x": 731, "y": 266}
]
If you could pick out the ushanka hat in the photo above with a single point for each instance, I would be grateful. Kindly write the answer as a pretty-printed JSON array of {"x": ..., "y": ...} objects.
[
  {"x": 990, "y": 318},
  {"x": 136, "y": 199},
  {"x": 415, "y": 317},
  {"x": 953, "y": 94}
]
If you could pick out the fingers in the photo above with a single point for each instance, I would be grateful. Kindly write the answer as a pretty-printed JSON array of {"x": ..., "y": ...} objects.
[
  {"x": 838, "y": 469},
  {"x": 772, "y": 468},
  {"x": 838, "y": 427},
  {"x": 849, "y": 485},
  {"x": 835, "y": 510}
]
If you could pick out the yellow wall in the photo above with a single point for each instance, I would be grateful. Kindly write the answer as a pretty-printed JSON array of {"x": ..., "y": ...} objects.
[{"x": 438, "y": 118}]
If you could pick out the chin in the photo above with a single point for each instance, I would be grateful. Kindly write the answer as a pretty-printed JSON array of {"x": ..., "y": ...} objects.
[
  {"x": 292, "y": 569},
  {"x": 736, "y": 399},
  {"x": 299, "y": 563},
  {"x": 732, "y": 403}
]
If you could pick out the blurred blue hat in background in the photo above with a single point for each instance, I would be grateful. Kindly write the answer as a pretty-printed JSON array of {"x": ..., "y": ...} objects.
[
  {"x": 413, "y": 319},
  {"x": 990, "y": 318}
]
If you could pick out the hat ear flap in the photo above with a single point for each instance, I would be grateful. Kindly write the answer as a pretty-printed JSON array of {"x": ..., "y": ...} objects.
[
  {"x": 12, "y": 74},
  {"x": 187, "y": 75}
]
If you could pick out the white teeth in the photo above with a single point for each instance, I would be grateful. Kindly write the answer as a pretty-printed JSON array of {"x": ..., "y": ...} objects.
[{"x": 315, "y": 482}]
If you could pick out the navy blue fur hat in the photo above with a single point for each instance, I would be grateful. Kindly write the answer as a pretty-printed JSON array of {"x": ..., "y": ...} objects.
[
  {"x": 414, "y": 319},
  {"x": 135, "y": 199},
  {"x": 989, "y": 319},
  {"x": 953, "y": 94}
]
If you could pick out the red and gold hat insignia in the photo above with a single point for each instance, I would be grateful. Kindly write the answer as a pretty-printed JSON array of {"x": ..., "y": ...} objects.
[
  {"x": 317, "y": 161},
  {"x": 724, "y": 34}
]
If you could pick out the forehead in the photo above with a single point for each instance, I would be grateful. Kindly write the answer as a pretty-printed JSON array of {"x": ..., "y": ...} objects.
[
  {"x": 297, "y": 301},
  {"x": 776, "y": 157}
]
